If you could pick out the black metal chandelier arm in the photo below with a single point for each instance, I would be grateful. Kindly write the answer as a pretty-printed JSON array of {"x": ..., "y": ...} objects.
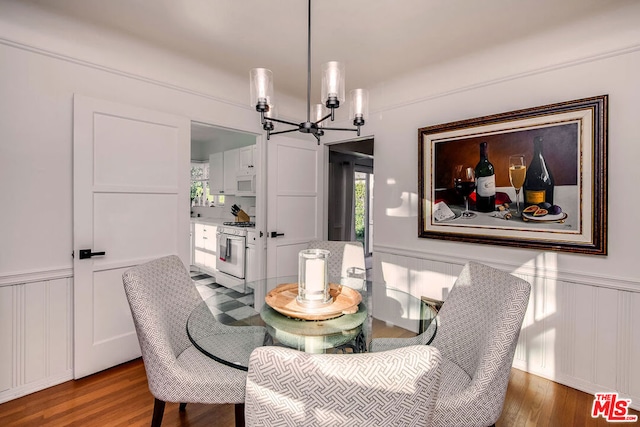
[
  {"x": 347, "y": 129},
  {"x": 356, "y": 129},
  {"x": 325, "y": 117},
  {"x": 281, "y": 121},
  {"x": 285, "y": 131}
]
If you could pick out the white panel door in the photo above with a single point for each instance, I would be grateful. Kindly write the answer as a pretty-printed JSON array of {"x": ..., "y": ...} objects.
[
  {"x": 131, "y": 200},
  {"x": 294, "y": 202}
]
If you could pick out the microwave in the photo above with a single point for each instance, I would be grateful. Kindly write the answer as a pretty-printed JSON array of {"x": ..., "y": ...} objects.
[{"x": 246, "y": 185}]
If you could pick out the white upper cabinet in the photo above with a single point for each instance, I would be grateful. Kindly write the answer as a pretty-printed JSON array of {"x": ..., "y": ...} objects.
[
  {"x": 247, "y": 156},
  {"x": 230, "y": 170},
  {"x": 225, "y": 168},
  {"x": 216, "y": 173}
]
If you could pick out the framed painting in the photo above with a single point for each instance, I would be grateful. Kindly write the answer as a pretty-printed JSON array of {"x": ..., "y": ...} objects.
[{"x": 533, "y": 178}]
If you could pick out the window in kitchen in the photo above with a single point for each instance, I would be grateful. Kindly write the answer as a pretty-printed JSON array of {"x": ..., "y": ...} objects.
[{"x": 200, "y": 195}]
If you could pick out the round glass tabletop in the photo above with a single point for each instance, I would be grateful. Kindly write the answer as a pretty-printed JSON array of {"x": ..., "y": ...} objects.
[{"x": 227, "y": 330}]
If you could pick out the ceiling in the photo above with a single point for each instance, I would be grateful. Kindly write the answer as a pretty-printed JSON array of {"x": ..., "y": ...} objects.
[{"x": 378, "y": 40}]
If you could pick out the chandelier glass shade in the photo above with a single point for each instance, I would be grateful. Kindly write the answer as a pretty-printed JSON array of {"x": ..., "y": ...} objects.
[{"x": 332, "y": 96}]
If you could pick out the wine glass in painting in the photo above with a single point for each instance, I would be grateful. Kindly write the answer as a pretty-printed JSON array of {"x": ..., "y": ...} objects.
[
  {"x": 517, "y": 173},
  {"x": 464, "y": 182}
]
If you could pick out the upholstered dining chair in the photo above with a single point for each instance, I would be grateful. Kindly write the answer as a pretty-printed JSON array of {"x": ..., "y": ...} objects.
[
  {"x": 346, "y": 258},
  {"x": 477, "y": 332},
  {"x": 286, "y": 387},
  {"x": 161, "y": 295}
]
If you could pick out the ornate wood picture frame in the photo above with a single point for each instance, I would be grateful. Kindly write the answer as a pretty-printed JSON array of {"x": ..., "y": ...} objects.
[{"x": 574, "y": 148}]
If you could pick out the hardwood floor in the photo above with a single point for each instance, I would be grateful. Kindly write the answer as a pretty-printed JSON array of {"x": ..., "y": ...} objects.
[{"x": 120, "y": 397}]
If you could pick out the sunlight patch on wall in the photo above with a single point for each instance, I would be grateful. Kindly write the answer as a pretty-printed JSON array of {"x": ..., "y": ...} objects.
[
  {"x": 432, "y": 284},
  {"x": 405, "y": 204},
  {"x": 541, "y": 272},
  {"x": 395, "y": 276},
  {"x": 417, "y": 278},
  {"x": 538, "y": 343},
  {"x": 408, "y": 206}
]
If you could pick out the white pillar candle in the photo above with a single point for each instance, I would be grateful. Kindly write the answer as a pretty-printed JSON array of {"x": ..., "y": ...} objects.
[
  {"x": 315, "y": 276},
  {"x": 313, "y": 288}
]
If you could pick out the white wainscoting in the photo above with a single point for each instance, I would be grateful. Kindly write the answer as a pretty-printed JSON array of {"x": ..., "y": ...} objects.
[
  {"x": 583, "y": 332},
  {"x": 36, "y": 333}
]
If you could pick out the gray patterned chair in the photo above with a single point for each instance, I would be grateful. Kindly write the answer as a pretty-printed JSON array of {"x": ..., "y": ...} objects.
[
  {"x": 396, "y": 388},
  {"x": 477, "y": 332},
  {"x": 161, "y": 295},
  {"x": 346, "y": 259}
]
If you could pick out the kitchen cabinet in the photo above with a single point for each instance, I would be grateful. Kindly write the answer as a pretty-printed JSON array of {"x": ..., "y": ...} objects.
[
  {"x": 225, "y": 168},
  {"x": 251, "y": 260},
  {"x": 216, "y": 173},
  {"x": 205, "y": 246},
  {"x": 191, "y": 242},
  {"x": 246, "y": 160},
  {"x": 230, "y": 170}
]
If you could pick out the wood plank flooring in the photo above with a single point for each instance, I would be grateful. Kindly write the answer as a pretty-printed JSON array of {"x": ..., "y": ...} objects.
[{"x": 120, "y": 397}]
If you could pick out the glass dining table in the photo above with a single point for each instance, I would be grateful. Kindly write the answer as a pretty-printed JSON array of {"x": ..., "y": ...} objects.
[{"x": 230, "y": 337}]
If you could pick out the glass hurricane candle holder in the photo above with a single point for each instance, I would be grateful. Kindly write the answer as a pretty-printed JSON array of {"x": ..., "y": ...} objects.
[{"x": 313, "y": 281}]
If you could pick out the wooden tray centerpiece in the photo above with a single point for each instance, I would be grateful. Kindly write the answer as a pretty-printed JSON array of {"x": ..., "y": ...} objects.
[{"x": 283, "y": 299}]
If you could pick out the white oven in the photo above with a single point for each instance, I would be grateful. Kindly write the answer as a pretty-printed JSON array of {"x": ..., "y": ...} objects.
[{"x": 230, "y": 262}]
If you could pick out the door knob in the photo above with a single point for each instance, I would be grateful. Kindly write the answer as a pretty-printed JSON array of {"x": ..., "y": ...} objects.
[
  {"x": 276, "y": 234},
  {"x": 86, "y": 253}
]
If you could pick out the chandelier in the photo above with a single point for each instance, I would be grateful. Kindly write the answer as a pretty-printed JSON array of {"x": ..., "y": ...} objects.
[{"x": 333, "y": 93}]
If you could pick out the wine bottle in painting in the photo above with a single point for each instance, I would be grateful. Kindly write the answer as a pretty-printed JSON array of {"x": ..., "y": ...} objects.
[
  {"x": 538, "y": 184},
  {"x": 485, "y": 182}
]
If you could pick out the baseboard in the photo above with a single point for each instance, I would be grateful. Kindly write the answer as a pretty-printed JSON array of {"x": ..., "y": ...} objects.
[
  {"x": 35, "y": 386},
  {"x": 584, "y": 386}
]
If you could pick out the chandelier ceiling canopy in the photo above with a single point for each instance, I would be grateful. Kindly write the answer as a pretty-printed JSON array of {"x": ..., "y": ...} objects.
[{"x": 333, "y": 94}]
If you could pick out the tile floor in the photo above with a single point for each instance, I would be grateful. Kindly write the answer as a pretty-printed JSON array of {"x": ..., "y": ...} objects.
[
  {"x": 231, "y": 303},
  {"x": 226, "y": 304}
]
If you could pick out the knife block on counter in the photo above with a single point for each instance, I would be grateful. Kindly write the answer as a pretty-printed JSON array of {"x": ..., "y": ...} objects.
[{"x": 242, "y": 216}]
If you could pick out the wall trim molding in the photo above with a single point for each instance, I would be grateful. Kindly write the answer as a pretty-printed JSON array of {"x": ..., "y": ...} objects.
[
  {"x": 515, "y": 76},
  {"x": 576, "y": 334},
  {"x": 616, "y": 283},
  {"x": 19, "y": 278},
  {"x": 23, "y": 390},
  {"x": 117, "y": 72}
]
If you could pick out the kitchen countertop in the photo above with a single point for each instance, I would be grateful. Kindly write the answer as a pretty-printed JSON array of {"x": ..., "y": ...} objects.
[{"x": 210, "y": 221}]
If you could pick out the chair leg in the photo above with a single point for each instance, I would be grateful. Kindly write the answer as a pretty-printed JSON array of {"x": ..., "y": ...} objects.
[
  {"x": 183, "y": 405},
  {"x": 239, "y": 414},
  {"x": 158, "y": 412}
]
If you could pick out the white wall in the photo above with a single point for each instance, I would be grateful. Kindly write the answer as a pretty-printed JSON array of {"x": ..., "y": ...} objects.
[
  {"x": 613, "y": 72},
  {"x": 45, "y": 60},
  {"x": 37, "y": 85},
  {"x": 581, "y": 329}
]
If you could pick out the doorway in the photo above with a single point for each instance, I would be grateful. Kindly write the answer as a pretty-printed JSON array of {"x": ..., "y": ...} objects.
[
  {"x": 363, "y": 201},
  {"x": 350, "y": 192},
  {"x": 215, "y": 166}
]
